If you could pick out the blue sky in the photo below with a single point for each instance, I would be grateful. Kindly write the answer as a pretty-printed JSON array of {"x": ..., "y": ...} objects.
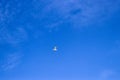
[{"x": 86, "y": 34}]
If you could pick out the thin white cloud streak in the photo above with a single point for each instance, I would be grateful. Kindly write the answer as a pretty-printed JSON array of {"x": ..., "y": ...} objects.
[
  {"x": 82, "y": 13},
  {"x": 10, "y": 61}
]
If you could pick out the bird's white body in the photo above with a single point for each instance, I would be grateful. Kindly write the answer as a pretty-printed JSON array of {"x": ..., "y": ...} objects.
[{"x": 55, "y": 49}]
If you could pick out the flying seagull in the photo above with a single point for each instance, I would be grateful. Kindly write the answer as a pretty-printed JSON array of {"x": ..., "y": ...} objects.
[{"x": 55, "y": 48}]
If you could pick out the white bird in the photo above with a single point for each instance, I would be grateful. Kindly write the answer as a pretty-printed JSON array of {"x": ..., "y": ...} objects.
[{"x": 55, "y": 49}]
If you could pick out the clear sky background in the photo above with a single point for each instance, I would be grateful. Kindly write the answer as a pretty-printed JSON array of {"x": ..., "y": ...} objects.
[{"x": 86, "y": 33}]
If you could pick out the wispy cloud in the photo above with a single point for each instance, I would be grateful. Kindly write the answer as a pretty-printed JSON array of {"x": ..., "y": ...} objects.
[
  {"x": 10, "y": 61},
  {"x": 82, "y": 13},
  {"x": 107, "y": 75},
  {"x": 8, "y": 12},
  {"x": 79, "y": 13},
  {"x": 13, "y": 37}
]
